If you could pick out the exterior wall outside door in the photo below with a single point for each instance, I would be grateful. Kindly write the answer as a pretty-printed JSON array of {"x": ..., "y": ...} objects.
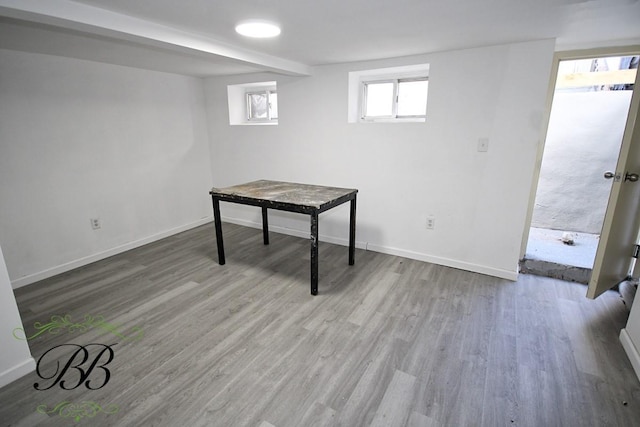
[{"x": 583, "y": 141}]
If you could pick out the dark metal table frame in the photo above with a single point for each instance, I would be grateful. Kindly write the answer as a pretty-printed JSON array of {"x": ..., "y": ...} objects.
[{"x": 313, "y": 211}]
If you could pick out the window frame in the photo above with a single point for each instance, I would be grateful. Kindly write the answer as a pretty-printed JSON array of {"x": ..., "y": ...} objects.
[
  {"x": 357, "y": 77},
  {"x": 364, "y": 84},
  {"x": 268, "y": 93}
]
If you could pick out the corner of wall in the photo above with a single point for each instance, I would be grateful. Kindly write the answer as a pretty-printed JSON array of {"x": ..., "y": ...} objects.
[{"x": 15, "y": 358}]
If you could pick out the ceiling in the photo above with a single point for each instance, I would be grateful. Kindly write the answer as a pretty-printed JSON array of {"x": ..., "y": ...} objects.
[{"x": 197, "y": 37}]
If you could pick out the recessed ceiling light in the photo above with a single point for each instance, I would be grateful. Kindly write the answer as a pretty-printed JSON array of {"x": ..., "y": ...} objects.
[{"x": 258, "y": 29}]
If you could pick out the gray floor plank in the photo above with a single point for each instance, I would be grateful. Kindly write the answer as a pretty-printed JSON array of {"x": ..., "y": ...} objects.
[{"x": 396, "y": 402}]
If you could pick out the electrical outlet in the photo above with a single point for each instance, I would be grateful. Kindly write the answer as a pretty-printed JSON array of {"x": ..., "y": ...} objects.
[
  {"x": 431, "y": 222},
  {"x": 483, "y": 145},
  {"x": 95, "y": 223}
]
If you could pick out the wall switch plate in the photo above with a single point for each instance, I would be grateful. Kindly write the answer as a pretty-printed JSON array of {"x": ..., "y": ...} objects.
[{"x": 483, "y": 145}]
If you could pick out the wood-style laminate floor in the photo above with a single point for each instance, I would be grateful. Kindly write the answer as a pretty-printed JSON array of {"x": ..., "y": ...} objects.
[{"x": 387, "y": 342}]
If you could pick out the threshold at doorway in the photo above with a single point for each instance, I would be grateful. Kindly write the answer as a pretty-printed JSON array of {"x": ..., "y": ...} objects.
[{"x": 547, "y": 255}]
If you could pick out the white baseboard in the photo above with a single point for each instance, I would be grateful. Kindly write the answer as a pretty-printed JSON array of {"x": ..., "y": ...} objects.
[
  {"x": 50, "y": 272},
  {"x": 447, "y": 262},
  {"x": 631, "y": 350},
  {"x": 476, "y": 268},
  {"x": 18, "y": 371}
]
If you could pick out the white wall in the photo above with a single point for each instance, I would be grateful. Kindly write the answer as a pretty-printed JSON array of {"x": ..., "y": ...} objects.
[
  {"x": 583, "y": 141},
  {"x": 79, "y": 140},
  {"x": 404, "y": 171},
  {"x": 630, "y": 336},
  {"x": 15, "y": 357}
]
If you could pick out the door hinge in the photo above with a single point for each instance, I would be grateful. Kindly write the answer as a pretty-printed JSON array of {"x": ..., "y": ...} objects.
[{"x": 636, "y": 251}]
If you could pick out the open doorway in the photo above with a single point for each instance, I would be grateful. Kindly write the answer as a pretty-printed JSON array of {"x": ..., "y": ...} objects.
[{"x": 589, "y": 111}]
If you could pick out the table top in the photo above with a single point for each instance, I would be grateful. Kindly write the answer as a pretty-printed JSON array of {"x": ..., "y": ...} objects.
[{"x": 289, "y": 193}]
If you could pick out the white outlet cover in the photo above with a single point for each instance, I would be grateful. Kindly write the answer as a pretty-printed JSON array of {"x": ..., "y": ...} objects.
[
  {"x": 431, "y": 222},
  {"x": 483, "y": 145}
]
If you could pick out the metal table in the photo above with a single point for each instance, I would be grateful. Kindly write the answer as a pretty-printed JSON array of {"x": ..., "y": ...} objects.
[{"x": 291, "y": 197}]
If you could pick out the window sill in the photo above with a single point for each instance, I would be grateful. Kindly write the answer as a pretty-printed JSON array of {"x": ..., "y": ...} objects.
[
  {"x": 255, "y": 124},
  {"x": 408, "y": 120}
]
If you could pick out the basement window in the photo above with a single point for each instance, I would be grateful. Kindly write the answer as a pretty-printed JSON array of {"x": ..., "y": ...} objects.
[
  {"x": 262, "y": 106},
  {"x": 394, "y": 99},
  {"x": 397, "y": 94},
  {"x": 253, "y": 103}
]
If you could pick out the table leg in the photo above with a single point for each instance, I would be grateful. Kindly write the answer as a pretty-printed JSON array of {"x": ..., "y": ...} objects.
[
  {"x": 352, "y": 232},
  {"x": 265, "y": 226},
  {"x": 314, "y": 253},
  {"x": 218, "y": 223}
]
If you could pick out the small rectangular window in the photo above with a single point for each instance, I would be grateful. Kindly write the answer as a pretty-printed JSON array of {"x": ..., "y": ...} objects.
[
  {"x": 253, "y": 104},
  {"x": 395, "y": 99},
  {"x": 262, "y": 106},
  {"x": 388, "y": 95}
]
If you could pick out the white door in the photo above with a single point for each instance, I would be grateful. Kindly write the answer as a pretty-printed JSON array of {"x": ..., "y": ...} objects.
[{"x": 613, "y": 263}]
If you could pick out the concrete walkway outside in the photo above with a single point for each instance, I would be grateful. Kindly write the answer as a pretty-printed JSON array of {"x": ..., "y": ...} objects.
[{"x": 548, "y": 255}]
